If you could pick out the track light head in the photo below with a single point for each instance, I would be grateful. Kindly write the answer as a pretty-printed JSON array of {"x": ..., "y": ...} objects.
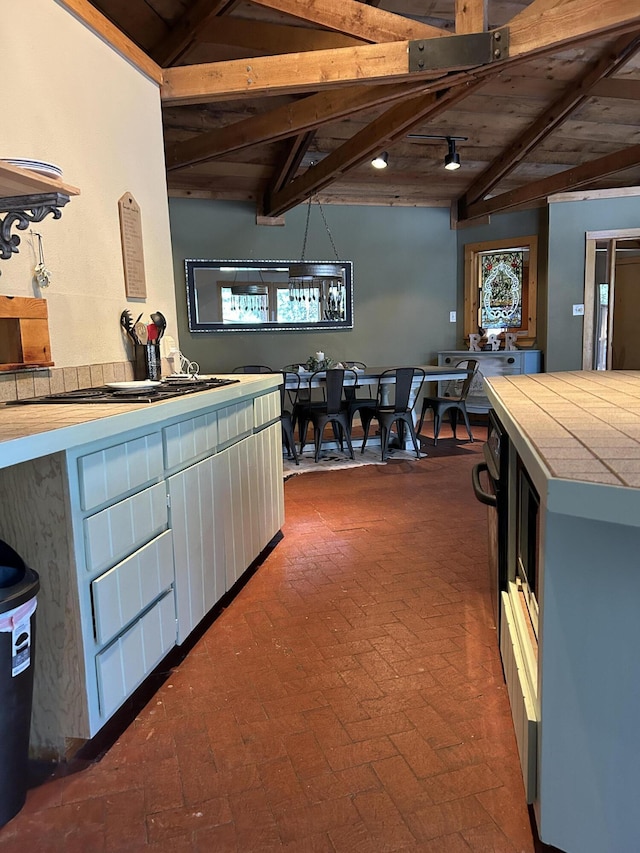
[
  {"x": 451, "y": 158},
  {"x": 381, "y": 161}
]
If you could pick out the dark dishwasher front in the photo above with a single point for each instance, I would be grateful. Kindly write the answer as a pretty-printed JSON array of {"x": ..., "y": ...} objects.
[{"x": 495, "y": 470}]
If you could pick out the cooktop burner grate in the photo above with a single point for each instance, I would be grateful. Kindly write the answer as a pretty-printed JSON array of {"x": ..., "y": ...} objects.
[{"x": 104, "y": 394}]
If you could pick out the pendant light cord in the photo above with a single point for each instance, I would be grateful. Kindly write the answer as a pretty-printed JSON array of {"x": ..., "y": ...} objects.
[{"x": 306, "y": 230}]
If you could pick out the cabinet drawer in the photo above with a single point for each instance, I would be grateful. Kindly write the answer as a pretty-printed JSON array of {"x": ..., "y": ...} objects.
[
  {"x": 235, "y": 421},
  {"x": 190, "y": 439},
  {"x": 125, "y": 663},
  {"x": 128, "y": 588},
  {"x": 114, "y": 471},
  {"x": 114, "y": 532},
  {"x": 266, "y": 409}
]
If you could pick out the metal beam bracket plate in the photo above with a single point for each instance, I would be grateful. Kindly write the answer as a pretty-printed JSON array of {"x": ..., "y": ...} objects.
[{"x": 458, "y": 52}]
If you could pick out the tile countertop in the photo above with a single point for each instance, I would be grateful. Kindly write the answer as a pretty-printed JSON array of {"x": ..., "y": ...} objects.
[
  {"x": 31, "y": 431},
  {"x": 581, "y": 425}
]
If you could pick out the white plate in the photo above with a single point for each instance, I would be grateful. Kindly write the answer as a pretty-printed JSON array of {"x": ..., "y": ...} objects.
[
  {"x": 133, "y": 386},
  {"x": 48, "y": 169}
]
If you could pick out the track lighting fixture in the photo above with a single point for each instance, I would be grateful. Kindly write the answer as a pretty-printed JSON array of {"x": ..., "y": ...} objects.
[
  {"x": 452, "y": 157},
  {"x": 381, "y": 161}
]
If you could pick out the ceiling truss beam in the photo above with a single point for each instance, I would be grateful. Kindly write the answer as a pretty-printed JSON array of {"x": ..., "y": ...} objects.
[{"x": 574, "y": 96}]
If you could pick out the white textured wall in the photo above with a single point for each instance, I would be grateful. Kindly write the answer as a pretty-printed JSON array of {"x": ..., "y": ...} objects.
[{"x": 70, "y": 99}]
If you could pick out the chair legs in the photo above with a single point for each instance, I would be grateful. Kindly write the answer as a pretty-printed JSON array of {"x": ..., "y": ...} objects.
[
  {"x": 440, "y": 408},
  {"x": 386, "y": 423},
  {"x": 340, "y": 429},
  {"x": 288, "y": 439}
]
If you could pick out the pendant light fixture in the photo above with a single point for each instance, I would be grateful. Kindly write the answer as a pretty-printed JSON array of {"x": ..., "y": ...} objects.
[
  {"x": 327, "y": 278},
  {"x": 381, "y": 161}
]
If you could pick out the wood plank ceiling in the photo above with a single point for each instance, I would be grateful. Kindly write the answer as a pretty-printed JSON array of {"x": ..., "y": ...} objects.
[{"x": 276, "y": 101}]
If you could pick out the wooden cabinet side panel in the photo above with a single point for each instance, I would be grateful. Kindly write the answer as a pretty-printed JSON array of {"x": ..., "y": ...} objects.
[{"x": 43, "y": 538}]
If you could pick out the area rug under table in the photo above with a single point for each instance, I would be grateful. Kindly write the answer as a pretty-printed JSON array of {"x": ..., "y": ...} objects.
[{"x": 331, "y": 460}]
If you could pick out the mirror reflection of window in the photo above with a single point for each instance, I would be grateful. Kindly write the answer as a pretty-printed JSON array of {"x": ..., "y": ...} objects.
[{"x": 263, "y": 296}]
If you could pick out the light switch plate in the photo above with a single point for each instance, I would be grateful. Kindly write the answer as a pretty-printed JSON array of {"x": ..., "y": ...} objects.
[
  {"x": 578, "y": 310},
  {"x": 452, "y": 316}
]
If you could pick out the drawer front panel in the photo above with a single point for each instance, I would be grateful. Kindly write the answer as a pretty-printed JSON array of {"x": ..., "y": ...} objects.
[
  {"x": 115, "y": 532},
  {"x": 266, "y": 409},
  {"x": 128, "y": 588},
  {"x": 124, "y": 664},
  {"x": 114, "y": 471},
  {"x": 189, "y": 439},
  {"x": 235, "y": 421}
]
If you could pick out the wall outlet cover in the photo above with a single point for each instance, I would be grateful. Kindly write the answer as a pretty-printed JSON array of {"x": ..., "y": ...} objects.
[
  {"x": 452, "y": 316},
  {"x": 578, "y": 310}
]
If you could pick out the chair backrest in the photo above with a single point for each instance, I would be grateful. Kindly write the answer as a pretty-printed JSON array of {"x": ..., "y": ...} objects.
[
  {"x": 470, "y": 364},
  {"x": 253, "y": 368},
  {"x": 289, "y": 390},
  {"x": 407, "y": 383},
  {"x": 333, "y": 381}
]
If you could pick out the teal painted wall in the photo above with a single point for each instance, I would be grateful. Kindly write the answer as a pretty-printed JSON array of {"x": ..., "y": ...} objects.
[
  {"x": 568, "y": 225},
  {"x": 408, "y": 276},
  {"x": 405, "y": 280}
]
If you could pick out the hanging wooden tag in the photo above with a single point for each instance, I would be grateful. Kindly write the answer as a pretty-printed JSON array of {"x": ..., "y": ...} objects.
[{"x": 132, "y": 253}]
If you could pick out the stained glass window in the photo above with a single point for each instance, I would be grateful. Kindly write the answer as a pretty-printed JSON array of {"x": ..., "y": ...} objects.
[{"x": 501, "y": 289}]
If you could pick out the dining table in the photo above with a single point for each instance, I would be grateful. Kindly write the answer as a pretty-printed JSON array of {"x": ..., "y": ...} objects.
[{"x": 371, "y": 376}]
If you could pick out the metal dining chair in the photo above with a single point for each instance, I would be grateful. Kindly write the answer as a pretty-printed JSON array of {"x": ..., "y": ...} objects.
[
  {"x": 355, "y": 402},
  {"x": 253, "y": 368},
  {"x": 407, "y": 383},
  {"x": 455, "y": 404},
  {"x": 288, "y": 414},
  {"x": 333, "y": 410}
]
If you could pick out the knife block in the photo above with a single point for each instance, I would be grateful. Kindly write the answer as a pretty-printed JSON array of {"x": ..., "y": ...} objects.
[{"x": 24, "y": 333}]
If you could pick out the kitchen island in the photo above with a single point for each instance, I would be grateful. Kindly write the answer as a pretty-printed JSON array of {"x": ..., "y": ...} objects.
[
  {"x": 138, "y": 518},
  {"x": 572, "y": 668}
]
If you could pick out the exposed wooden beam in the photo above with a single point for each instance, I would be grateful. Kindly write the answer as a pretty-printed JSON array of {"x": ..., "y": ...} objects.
[
  {"x": 282, "y": 122},
  {"x": 265, "y": 39},
  {"x": 575, "y": 95},
  {"x": 570, "y": 179},
  {"x": 472, "y": 16},
  {"x": 617, "y": 88},
  {"x": 290, "y": 163},
  {"x": 300, "y": 72},
  {"x": 103, "y": 27},
  {"x": 355, "y": 19},
  {"x": 563, "y": 22},
  {"x": 175, "y": 43},
  {"x": 286, "y": 74},
  {"x": 386, "y": 128}
]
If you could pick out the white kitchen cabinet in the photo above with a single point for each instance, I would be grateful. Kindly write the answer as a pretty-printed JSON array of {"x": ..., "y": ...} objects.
[
  {"x": 219, "y": 504},
  {"x": 490, "y": 363},
  {"x": 123, "y": 665},
  {"x": 136, "y": 534},
  {"x": 196, "y": 497}
]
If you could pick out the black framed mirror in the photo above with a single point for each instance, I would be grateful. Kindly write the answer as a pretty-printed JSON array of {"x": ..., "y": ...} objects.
[{"x": 269, "y": 296}]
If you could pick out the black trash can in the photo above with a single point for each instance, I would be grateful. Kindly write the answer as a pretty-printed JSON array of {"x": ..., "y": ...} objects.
[{"x": 18, "y": 589}]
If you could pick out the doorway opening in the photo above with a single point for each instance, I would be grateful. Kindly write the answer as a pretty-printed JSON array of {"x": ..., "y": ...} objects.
[{"x": 612, "y": 300}]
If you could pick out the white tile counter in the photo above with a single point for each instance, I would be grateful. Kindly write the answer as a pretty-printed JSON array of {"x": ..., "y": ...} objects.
[
  {"x": 577, "y": 428},
  {"x": 32, "y": 430}
]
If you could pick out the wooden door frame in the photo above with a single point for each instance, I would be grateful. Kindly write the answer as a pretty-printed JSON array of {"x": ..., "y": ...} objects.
[
  {"x": 588, "y": 329},
  {"x": 471, "y": 255}
]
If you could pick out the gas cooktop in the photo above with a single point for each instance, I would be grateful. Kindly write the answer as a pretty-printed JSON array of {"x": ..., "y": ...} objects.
[{"x": 104, "y": 394}]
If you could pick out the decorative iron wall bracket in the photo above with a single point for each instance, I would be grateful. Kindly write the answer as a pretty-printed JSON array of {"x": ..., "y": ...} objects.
[
  {"x": 458, "y": 52},
  {"x": 22, "y": 210}
]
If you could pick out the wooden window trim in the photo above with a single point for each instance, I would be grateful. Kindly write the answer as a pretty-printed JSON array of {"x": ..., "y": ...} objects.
[{"x": 472, "y": 253}]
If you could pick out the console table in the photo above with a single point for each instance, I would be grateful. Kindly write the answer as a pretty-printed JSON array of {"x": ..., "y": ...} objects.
[{"x": 491, "y": 363}]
